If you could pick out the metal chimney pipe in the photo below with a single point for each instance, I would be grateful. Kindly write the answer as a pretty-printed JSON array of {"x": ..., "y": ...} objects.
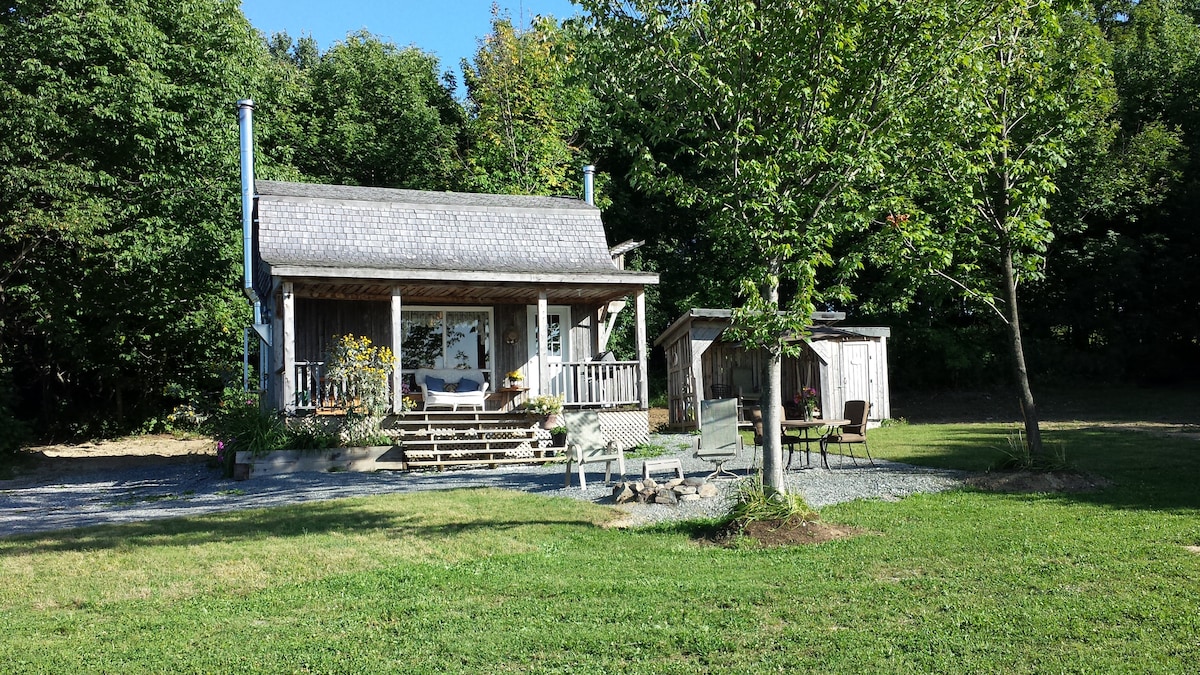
[
  {"x": 589, "y": 184},
  {"x": 246, "y": 126}
]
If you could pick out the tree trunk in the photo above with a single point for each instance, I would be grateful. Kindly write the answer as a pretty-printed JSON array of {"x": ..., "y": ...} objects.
[
  {"x": 771, "y": 408},
  {"x": 1033, "y": 434},
  {"x": 772, "y": 431}
]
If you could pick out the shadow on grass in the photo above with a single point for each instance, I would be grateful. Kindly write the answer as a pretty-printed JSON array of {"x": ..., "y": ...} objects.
[
  {"x": 1148, "y": 470},
  {"x": 397, "y": 516},
  {"x": 1177, "y": 405}
]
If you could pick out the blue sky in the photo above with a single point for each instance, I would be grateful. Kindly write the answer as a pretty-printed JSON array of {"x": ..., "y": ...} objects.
[{"x": 450, "y": 28}]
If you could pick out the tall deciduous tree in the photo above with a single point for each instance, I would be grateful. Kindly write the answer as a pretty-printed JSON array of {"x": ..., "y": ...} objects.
[
  {"x": 117, "y": 193},
  {"x": 769, "y": 117},
  {"x": 525, "y": 110},
  {"x": 1028, "y": 89},
  {"x": 371, "y": 113}
]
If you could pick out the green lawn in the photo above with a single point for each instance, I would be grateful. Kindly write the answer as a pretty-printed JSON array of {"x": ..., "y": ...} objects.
[{"x": 484, "y": 581}]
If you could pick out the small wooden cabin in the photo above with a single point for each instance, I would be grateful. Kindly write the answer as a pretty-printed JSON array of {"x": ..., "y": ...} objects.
[
  {"x": 842, "y": 364},
  {"x": 479, "y": 282}
]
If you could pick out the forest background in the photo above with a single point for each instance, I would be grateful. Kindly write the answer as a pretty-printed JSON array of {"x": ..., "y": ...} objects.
[{"x": 120, "y": 255}]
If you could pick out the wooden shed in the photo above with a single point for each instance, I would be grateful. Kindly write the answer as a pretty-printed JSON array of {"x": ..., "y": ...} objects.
[{"x": 842, "y": 364}]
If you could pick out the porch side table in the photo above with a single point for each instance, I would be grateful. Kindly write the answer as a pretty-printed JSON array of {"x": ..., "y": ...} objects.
[{"x": 510, "y": 398}]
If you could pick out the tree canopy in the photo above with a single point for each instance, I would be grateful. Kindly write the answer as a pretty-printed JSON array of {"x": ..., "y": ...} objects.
[
  {"x": 115, "y": 130},
  {"x": 757, "y": 147}
]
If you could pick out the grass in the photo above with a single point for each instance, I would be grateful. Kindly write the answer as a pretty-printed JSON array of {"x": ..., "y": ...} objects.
[{"x": 493, "y": 581}]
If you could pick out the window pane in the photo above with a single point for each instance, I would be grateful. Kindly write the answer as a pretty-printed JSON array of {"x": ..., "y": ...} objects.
[
  {"x": 467, "y": 340},
  {"x": 554, "y": 335},
  {"x": 422, "y": 346}
]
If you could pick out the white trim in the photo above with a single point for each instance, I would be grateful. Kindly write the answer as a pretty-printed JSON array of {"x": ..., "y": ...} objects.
[
  {"x": 289, "y": 347},
  {"x": 397, "y": 347}
]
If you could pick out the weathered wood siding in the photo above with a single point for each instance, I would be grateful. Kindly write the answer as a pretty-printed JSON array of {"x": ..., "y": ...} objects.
[{"x": 319, "y": 322}]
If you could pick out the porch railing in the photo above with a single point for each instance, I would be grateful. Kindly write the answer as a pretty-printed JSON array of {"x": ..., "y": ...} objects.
[
  {"x": 309, "y": 392},
  {"x": 595, "y": 382},
  {"x": 585, "y": 383},
  {"x": 315, "y": 391}
]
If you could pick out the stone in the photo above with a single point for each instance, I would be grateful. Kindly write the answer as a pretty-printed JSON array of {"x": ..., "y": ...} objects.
[
  {"x": 689, "y": 498},
  {"x": 674, "y": 481},
  {"x": 708, "y": 490},
  {"x": 685, "y": 490},
  {"x": 649, "y": 483},
  {"x": 695, "y": 482},
  {"x": 639, "y": 486},
  {"x": 665, "y": 496},
  {"x": 645, "y": 496},
  {"x": 622, "y": 493}
]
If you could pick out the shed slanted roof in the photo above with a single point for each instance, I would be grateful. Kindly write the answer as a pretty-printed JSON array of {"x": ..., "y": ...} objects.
[
  {"x": 336, "y": 226},
  {"x": 723, "y": 317}
]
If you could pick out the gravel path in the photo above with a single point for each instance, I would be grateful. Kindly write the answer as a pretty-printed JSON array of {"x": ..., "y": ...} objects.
[{"x": 165, "y": 491}]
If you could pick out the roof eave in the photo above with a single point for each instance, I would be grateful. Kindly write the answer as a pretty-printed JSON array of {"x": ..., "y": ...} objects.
[{"x": 368, "y": 273}]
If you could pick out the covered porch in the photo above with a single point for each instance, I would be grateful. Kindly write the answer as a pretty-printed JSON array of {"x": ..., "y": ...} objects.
[{"x": 553, "y": 331}]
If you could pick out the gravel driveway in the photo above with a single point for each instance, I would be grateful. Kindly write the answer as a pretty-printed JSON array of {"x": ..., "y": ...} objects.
[{"x": 189, "y": 489}]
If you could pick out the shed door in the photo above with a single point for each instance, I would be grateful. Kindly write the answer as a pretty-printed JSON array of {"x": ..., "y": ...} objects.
[{"x": 856, "y": 371}]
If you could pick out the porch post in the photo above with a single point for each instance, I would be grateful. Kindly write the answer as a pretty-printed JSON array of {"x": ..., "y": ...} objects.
[
  {"x": 289, "y": 348},
  {"x": 639, "y": 303},
  {"x": 397, "y": 335},
  {"x": 543, "y": 361}
]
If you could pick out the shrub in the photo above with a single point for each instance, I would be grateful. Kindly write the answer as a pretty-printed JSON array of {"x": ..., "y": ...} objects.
[
  {"x": 361, "y": 371},
  {"x": 240, "y": 423},
  {"x": 1016, "y": 456},
  {"x": 753, "y": 502}
]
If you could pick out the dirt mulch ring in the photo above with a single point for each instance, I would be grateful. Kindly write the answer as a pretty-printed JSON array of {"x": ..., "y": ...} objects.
[
  {"x": 1038, "y": 482},
  {"x": 775, "y": 533}
]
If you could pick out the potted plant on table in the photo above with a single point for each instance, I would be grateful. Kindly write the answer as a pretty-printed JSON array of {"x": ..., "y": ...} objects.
[
  {"x": 547, "y": 407},
  {"x": 514, "y": 378},
  {"x": 808, "y": 402}
]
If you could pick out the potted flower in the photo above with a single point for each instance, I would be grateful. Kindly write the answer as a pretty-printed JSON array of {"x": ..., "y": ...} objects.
[
  {"x": 558, "y": 436},
  {"x": 514, "y": 378},
  {"x": 548, "y": 407},
  {"x": 808, "y": 401}
]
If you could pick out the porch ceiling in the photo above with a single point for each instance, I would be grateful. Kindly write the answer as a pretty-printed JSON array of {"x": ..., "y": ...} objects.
[{"x": 479, "y": 293}]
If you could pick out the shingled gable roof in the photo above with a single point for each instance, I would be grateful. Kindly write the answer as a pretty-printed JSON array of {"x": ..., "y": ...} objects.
[{"x": 313, "y": 227}]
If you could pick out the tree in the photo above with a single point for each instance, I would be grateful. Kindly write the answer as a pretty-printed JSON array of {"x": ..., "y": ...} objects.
[
  {"x": 999, "y": 136},
  {"x": 768, "y": 118},
  {"x": 118, "y": 165},
  {"x": 525, "y": 110},
  {"x": 372, "y": 114}
]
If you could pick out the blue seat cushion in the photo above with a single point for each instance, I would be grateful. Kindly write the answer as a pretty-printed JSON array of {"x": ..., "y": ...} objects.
[
  {"x": 434, "y": 383},
  {"x": 468, "y": 385}
]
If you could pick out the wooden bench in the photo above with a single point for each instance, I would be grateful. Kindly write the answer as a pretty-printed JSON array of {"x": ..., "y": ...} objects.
[{"x": 668, "y": 464}]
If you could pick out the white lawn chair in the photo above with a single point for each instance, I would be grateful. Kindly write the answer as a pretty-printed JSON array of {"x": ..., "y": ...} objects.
[{"x": 586, "y": 445}]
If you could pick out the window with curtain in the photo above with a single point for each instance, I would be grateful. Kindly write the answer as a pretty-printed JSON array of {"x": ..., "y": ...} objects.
[{"x": 446, "y": 338}]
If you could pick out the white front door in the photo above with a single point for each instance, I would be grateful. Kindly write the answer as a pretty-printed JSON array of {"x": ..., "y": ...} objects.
[{"x": 558, "y": 321}]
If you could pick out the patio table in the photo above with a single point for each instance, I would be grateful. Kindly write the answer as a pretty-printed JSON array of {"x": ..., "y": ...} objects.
[{"x": 807, "y": 425}]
